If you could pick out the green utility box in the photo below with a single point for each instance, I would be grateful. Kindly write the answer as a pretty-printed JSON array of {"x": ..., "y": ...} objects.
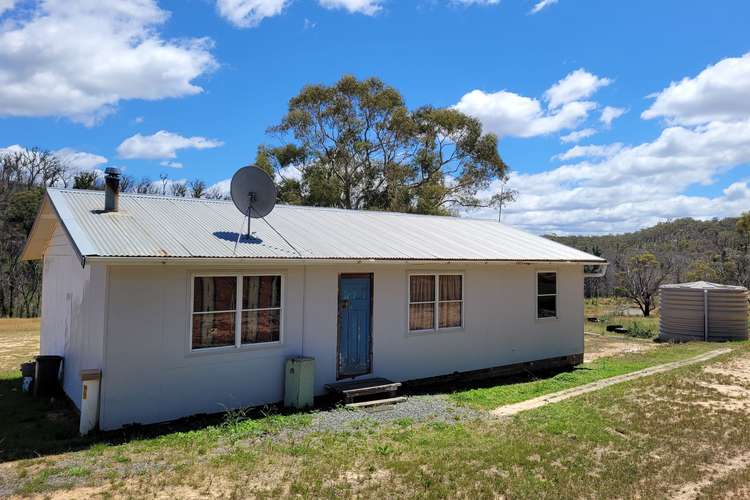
[{"x": 300, "y": 382}]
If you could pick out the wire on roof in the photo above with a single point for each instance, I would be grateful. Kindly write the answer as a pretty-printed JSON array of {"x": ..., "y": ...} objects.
[{"x": 282, "y": 237}]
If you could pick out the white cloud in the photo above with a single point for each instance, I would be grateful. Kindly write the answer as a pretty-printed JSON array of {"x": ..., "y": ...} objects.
[
  {"x": 509, "y": 114},
  {"x": 161, "y": 145},
  {"x": 80, "y": 58},
  {"x": 578, "y": 135},
  {"x": 6, "y": 5},
  {"x": 720, "y": 92},
  {"x": 74, "y": 161},
  {"x": 637, "y": 186},
  {"x": 223, "y": 187},
  {"x": 249, "y": 13},
  {"x": 12, "y": 149},
  {"x": 290, "y": 172},
  {"x": 171, "y": 164},
  {"x": 591, "y": 151},
  {"x": 367, "y": 7},
  {"x": 610, "y": 114},
  {"x": 79, "y": 160},
  {"x": 577, "y": 85},
  {"x": 542, "y": 4}
]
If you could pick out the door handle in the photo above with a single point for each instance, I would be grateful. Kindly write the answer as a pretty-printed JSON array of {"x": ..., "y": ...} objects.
[{"x": 343, "y": 304}]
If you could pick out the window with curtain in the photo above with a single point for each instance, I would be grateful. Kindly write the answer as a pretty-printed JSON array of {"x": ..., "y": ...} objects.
[
  {"x": 214, "y": 311},
  {"x": 435, "y": 301},
  {"x": 261, "y": 309},
  {"x": 546, "y": 295},
  {"x": 219, "y": 319}
]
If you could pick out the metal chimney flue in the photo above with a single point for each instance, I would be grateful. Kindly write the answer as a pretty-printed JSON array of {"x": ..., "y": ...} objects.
[{"x": 111, "y": 189}]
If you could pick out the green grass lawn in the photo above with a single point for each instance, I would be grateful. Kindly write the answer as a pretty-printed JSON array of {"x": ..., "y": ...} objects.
[
  {"x": 499, "y": 395},
  {"x": 644, "y": 438},
  {"x": 635, "y": 439}
]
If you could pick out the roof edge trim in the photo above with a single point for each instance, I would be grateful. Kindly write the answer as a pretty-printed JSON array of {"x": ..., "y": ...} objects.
[
  {"x": 77, "y": 235},
  {"x": 324, "y": 261}
]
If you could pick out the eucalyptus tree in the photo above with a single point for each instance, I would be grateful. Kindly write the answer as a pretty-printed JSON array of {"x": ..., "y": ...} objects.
[{"x": 355, "y": 144}]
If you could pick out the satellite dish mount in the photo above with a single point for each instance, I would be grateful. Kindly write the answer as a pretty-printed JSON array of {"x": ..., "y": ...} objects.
[
  {"x": 254, "y": 194},
  {"x": 251, "y": 199}
]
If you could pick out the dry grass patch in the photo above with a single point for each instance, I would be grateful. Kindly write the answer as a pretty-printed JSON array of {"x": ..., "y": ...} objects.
[
  {"x": 605, "y": 346},
  {"x": 19, "y": 342}
]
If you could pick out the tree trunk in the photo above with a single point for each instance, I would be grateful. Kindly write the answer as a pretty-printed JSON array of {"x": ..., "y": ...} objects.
[{"x": 11, "y": 293}]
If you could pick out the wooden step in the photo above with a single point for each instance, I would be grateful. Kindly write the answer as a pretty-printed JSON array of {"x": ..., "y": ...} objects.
[
  {"x": 350, "y": 390},
  {"x": 377, "y": 402}
]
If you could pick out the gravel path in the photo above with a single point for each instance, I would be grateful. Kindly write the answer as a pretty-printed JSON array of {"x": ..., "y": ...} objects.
[
  {"x": 435, "y": 407},
  {"x": 416, "y": 408}
]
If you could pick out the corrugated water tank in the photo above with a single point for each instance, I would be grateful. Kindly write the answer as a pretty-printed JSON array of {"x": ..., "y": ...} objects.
[{"x": 703, "y": 311}]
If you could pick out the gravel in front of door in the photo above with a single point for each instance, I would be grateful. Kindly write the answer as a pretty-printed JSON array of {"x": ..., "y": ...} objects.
[{"x": 436, "y": 407}]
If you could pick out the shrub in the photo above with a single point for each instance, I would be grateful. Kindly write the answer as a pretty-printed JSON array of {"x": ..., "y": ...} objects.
[{"x": 638, "y": 330}]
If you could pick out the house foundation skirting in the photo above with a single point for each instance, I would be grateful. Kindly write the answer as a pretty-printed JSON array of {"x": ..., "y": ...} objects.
[{"x": 537, "y": 366}]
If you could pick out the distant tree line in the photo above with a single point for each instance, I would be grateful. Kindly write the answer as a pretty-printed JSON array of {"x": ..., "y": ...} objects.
[
  {"x": 24, "y": 175},
  {"x": 679, "y": 251}
]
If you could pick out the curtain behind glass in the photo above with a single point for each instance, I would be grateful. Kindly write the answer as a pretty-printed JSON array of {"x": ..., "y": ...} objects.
[{"x": 422, "y": 288}]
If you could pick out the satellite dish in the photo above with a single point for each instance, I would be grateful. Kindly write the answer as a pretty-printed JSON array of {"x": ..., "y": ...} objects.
[{"x": 253, "y": 192}]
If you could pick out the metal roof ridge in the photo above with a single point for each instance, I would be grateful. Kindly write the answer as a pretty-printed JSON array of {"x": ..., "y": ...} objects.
[{"x": 91, "y": 192}]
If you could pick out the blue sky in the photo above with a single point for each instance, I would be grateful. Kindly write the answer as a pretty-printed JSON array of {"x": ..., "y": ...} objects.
[{"x": 96, "y": 80}]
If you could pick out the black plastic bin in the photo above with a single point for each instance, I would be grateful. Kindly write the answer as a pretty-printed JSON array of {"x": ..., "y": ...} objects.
[{"x": 47, "y": 379}]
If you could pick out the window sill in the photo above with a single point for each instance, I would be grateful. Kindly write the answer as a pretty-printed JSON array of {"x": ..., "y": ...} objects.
[
  {"x": 206, "y": 351},
  {"x": 439, "y": 331},
  {"x": 548, "y": 318}
]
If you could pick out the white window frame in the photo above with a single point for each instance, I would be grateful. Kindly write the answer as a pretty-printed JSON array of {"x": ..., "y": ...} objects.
[
  {"x": 436, "y": 315},
  {"x": 537, "y": 294},
  {"x": 238, "y": 345}
]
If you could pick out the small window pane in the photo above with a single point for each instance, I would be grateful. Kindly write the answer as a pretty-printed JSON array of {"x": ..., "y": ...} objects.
[
  {"x": 422, "y": 288},
  {"x": 546, "y": 283},
  {"x": 421, "y": 316},
  {"x": 214, "y": 293},
  {"x": 450, "y": 314},
  {"x": 261, "y": 292},
  {"x": 547, "y": 306},
  {"x": 450, "y": 287},
  {"x": 261, "y": 326},
  {"x": 213, "y": 330}
]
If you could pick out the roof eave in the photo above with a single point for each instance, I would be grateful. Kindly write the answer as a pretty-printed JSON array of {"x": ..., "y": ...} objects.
[
  {"x": 323, "y": 261},
  {"x": 40, "y": 234}
]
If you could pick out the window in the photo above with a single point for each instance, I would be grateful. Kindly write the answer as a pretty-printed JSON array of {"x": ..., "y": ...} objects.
[
  {"x": 214, "y": 311},
  {"x": 216, "y": 319},
  {"x": 546, "y": 295},
  {"x": 261, "y": 309},
  {"x": 435, "y": 300}
]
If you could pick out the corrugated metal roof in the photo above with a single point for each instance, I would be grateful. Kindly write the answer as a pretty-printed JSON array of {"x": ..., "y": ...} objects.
[{"x": 168, "y": 227}]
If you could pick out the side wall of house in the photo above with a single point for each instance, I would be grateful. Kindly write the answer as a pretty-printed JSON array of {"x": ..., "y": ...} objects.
[
  {"x": 73, "y": 299},
  {"x": 151, "y": 375}
]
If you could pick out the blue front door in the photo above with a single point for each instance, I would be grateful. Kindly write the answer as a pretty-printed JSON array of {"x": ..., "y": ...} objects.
[{"x": 355, "y": 329}]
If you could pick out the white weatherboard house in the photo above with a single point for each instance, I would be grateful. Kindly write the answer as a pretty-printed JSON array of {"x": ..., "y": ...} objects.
[{"x": 179, "y": 322}]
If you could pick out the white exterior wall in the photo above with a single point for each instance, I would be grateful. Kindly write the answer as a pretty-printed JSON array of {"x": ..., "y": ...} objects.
[
  {"x": 150, "y": 374},
  {"x": 73, "y": 307}
]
